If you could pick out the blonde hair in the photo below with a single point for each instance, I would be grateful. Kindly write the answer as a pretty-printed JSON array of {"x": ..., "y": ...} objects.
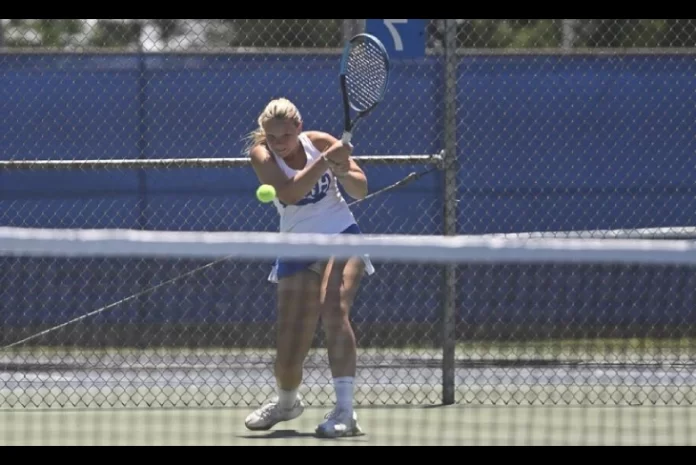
[{"x": 280, "y": 108}]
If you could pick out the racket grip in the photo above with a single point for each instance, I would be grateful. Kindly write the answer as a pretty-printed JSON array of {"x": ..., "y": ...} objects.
[{"x": 346, "y": 137}]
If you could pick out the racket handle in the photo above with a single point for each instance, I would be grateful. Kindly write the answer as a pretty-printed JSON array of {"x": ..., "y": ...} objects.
[{"x": 346, "y": 137}]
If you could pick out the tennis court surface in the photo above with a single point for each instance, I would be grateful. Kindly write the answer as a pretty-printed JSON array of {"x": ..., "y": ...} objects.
[
  {"x": 386, "y": 426},
  {"x": 587, "y": 393}
]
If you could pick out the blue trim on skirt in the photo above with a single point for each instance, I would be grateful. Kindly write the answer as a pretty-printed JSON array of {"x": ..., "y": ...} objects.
[{"x": 284, "y": 268}]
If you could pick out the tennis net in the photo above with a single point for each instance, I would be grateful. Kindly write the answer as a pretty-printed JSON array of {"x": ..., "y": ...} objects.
[{"x": 154, "y": 337}]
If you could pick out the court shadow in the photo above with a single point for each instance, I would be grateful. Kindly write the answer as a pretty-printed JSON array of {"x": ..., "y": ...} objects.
[{"x": 432, "y": 406}]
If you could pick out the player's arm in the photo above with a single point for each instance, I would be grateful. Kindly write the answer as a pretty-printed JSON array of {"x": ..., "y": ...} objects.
[
  {"x": 347, "y": 171},
  {"x": 288, "y": 190},
  {"x": 352, "y": 178}
]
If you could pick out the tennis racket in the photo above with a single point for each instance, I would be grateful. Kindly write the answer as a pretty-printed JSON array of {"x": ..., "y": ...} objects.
[{"x": 364, "y": 77}]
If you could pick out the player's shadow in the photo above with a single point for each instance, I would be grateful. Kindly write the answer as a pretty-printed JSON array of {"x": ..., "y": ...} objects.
[
  {"x": 279, "y": 434},
  {"x": 287, "y": 433}
]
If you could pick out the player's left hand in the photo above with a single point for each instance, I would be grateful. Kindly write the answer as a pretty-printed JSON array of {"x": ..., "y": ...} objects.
[
  {"x": 339, "y": 152},
  {"x": 339, "y": 167}
]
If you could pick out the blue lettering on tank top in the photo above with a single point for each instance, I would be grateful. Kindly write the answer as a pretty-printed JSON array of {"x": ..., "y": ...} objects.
[{"x": 318, "y": 192}]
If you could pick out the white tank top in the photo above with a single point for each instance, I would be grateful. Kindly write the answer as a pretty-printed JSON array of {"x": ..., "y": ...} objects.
[{"x": 323, "y": 210}]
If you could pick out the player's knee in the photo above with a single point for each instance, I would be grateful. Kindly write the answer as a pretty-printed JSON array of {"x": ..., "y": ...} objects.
[{"x": 295, "y": 328}]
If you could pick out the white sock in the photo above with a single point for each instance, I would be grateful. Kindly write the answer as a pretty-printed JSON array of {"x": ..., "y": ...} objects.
[
  {"x": 344, "y": 392},
  {"x": 286, "y": 399}
]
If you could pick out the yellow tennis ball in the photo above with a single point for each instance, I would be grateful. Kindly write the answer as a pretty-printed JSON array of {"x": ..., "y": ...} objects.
[{"x": 265, "y": 193}]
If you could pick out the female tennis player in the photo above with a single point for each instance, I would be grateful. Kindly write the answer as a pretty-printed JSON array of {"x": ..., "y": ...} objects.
[{"x": 305, "y": 167}]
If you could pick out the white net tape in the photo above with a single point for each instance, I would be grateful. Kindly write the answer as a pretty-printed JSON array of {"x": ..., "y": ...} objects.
[{"x": 394, "y": 248}]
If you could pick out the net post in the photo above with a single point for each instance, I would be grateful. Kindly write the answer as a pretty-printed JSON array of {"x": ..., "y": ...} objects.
[{"x": 450, "y": 210}]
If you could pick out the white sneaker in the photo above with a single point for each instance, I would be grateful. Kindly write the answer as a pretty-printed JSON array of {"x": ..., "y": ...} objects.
[
  {"x": 270, "y": 414},
  {"x": 339, "y": 423}
]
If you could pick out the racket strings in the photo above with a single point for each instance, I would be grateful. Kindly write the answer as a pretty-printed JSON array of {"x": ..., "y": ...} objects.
[{"x": 366, "y": 75}]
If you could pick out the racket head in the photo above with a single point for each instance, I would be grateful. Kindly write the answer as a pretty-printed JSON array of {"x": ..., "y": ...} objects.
[{"x": 364, "y": 73}]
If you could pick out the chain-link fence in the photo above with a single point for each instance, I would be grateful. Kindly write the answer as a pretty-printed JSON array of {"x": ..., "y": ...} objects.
[{"x": 544, "y": 125}]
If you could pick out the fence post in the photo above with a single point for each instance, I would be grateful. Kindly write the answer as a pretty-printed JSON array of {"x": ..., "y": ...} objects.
[
  {"x": 352, "y": 27},
  {"x": 450, "y": 209},
  {"x": 568, "y": 32}
]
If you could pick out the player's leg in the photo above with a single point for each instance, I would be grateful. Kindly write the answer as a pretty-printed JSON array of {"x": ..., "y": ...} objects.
[
  {"x": 339, "y": 289},
  {"x": 298, "y": 314}
]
